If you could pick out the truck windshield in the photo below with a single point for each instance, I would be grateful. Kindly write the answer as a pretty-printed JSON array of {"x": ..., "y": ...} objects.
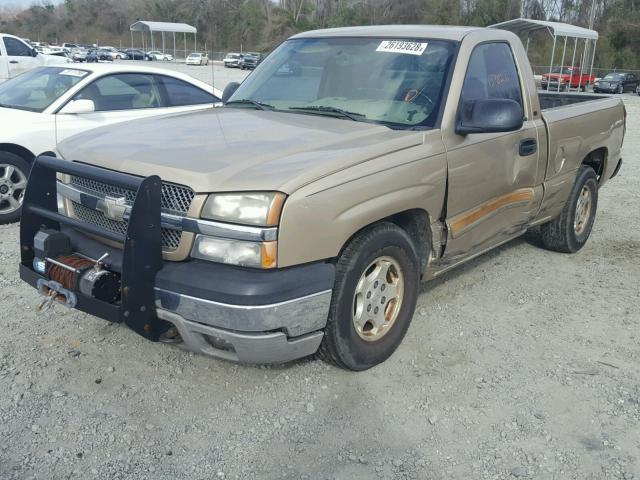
[
  {"x": 37, "y": 89},
  {"x": 395, "y": 82}
]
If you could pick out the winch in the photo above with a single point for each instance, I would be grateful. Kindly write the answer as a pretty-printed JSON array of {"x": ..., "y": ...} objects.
[{"x": 68, "y": 272}]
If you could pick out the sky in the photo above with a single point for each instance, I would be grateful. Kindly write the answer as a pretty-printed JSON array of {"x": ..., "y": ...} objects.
[{"x": 22, "y": 3}]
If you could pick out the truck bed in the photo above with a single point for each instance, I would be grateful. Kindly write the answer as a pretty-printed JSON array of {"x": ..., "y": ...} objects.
[{"x": 550, "y": 100}]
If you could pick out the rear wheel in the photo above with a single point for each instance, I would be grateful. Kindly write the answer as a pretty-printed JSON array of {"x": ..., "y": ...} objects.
[
  {"x": 13, "y": 182},
  {"x": 570, "y": 231},
  {"x": 374, "y": 298},
  {"x": 620, "y": 89}
]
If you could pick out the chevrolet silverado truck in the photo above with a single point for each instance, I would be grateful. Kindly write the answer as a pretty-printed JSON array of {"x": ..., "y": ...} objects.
[{"x": 301, "y": 217}]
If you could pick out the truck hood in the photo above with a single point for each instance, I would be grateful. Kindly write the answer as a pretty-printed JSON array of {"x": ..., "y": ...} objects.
[{"x": 236, "y": 149}]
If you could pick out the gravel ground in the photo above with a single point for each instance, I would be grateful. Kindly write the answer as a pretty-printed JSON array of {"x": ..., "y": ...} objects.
[{"x": 521, "y": 364}]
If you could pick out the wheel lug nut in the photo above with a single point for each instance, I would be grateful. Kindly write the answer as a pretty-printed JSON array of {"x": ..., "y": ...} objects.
[
  {"x": 375, "y": 284},
  {"x": 383, "y": 287},
  {"x": 375, "y": 311},
  {"x": 384, "y": 300},
  {"x": 368, "y": 308},
  {"x": 368, "y": 294}
]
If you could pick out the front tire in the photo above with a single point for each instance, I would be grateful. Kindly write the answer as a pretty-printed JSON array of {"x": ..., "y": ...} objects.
[
  {"x": 620, "y": 90},
  {"x": 374, "y": 298},
  {"x": 14, "y": 171},
  {"x": 570, "y": 231}
]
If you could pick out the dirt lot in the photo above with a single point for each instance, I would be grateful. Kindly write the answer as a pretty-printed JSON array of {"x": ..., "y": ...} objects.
[{"x": 522, "y": 364}]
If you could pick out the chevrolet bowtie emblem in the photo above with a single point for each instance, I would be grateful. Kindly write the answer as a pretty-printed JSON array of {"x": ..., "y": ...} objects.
[{"x": 114, "y": 208}]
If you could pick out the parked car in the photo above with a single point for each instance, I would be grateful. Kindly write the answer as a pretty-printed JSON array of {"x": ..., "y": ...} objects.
[
  {"x": 114, "y": 53},
  {"x": 328, "y": 204},
  {"x": 99, "y": 55},
  {"x": 157, "y": 55},
  {"x": 197, "y": 59},
  {"x": 250, "y": 60},
  {"x": 46, "y": 105},
  {"x": 79, "y": 55},
  {"x": 232, "y": 60},
  {"x": 70, "y": 46},
  {"x": 616, "y": 82},
  {"x": 135, "y": 54},
  {"x": 563, "y": 78},
  {"x": 17, "y": 56}
]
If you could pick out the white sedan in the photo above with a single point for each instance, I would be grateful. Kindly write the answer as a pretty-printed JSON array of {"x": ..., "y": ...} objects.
[
  {"x": 156, "y": 55},
  {"x": 197, "y": 59},
  {"x": 42, "y": 107}
]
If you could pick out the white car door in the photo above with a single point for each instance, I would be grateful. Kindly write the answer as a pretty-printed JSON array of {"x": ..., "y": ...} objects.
[
  {"x": 19, "y": 56},
  {"x": 128, "y": 96}
]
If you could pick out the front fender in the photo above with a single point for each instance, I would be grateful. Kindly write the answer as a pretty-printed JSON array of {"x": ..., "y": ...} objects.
[{"x": 319, "y": 219}]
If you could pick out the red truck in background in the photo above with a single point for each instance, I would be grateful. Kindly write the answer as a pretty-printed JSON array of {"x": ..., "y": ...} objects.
[{"x": 564, "y": 75}]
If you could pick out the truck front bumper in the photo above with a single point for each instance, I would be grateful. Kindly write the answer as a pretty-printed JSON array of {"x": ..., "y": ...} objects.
[
  {"x": 245, "y": 315},
  {"x": 239, "y": 314}
]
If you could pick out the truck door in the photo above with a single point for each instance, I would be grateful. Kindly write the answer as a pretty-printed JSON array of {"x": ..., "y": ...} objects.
[
  {"x": 19, "y": 56},
  {"x": 492, "y": 176}
]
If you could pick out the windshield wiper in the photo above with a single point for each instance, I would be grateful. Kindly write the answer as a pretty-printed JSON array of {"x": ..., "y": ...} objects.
[
  {"x": 321, "y": 108},
  {"x": 246, "y": 101}
]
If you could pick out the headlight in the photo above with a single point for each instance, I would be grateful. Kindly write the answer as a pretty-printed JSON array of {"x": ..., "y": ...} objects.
[
  {"x": 260, "y": 208},
  {"x": 235, "y": 252}
]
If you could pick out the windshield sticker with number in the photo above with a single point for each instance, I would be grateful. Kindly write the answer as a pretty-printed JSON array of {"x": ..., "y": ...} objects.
[
  {"x": 74, "y": 73},
  {"x": 401, "y": 46}
]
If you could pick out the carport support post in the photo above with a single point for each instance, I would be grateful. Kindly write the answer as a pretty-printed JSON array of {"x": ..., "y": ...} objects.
[
  {"x": 553, "y": 53},
  {"x": 573, "y": 60},
  {"x": 593, "y": 58},
  {"x": 131, "y": 38},
  {"x": 163, "y": 43},
  {"x": 562, "y": 66},
  {"x": 153, "y": 46},
  {"x": 185, "y": 45},
  {"x": 174, "y": 46},
  {"x": 195, "y": 41}
]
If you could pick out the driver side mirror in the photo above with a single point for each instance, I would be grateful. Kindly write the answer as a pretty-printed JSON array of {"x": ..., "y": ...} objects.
[
  {"x": 229, "y": 90},
  {"x": 34, "y": 52},
  {"x": 489, "y": 116},
  {"x": 79, "y": 106}
]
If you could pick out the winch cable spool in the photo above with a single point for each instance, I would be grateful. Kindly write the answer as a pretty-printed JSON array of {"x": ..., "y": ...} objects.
[
  {"x": 77, "y": 273},
  {"x": 68, "y": 278}
]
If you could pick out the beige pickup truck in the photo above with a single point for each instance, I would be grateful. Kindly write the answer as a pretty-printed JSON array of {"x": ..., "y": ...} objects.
[{"x": 301, "y": 217}]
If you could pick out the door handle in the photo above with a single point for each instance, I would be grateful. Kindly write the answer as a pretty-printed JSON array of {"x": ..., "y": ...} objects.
[
  {"x": 14, "y": 61},
  {"x": 528, "y": 147}
]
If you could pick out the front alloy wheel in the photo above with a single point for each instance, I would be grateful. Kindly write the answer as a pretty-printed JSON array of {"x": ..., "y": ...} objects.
[
  {"x": 374, "y": 298},
  {"x": 378, "y": 298},
  {"x": 13, "y": 183}
]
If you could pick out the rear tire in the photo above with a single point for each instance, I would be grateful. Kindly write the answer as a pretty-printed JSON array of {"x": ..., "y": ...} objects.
[
  {"x": 14, "y": 171},
  {"x": 570, "y": 231},
  {"x": 374, "y": 298}
]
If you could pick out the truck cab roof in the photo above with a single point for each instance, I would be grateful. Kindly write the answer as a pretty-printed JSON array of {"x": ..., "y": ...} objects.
[{"x": 455, "y": 33}]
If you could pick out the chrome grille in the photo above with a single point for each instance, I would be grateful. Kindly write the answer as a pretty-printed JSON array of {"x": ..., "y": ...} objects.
[
  {"x": 176, "y": 199},
  {"x": 170, "y": 238}
]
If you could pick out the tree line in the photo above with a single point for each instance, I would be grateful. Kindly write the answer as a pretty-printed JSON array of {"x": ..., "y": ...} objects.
[{"x": 225, "y": 25}]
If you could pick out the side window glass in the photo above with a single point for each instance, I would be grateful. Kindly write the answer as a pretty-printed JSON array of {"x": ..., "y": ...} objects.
[
  {"x": 123, "y": 92},
  {"x": 491, "y": 74},
  {"x": 179, "y": 93},
  {"x": 15, "y": 48}
]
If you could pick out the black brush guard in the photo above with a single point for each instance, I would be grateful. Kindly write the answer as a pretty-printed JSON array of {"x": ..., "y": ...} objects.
[{"x": 142, "y": 257}]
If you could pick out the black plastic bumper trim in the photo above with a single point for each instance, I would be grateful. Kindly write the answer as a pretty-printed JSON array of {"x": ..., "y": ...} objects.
[{"x": 243, "y": 286}]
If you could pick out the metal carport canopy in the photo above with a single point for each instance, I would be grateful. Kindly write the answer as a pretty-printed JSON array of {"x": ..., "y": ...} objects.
[
  {"x": 143, "y": 26},
  {"x": 169, "y": 27},
  {"x": 524, "y": 25}
]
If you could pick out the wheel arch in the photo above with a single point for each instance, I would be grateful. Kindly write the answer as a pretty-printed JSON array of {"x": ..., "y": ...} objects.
[
  {"x": 415, "y": 222},
  {"x": 18, "y": 150},
  {"x": 597, "y": 159}
]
